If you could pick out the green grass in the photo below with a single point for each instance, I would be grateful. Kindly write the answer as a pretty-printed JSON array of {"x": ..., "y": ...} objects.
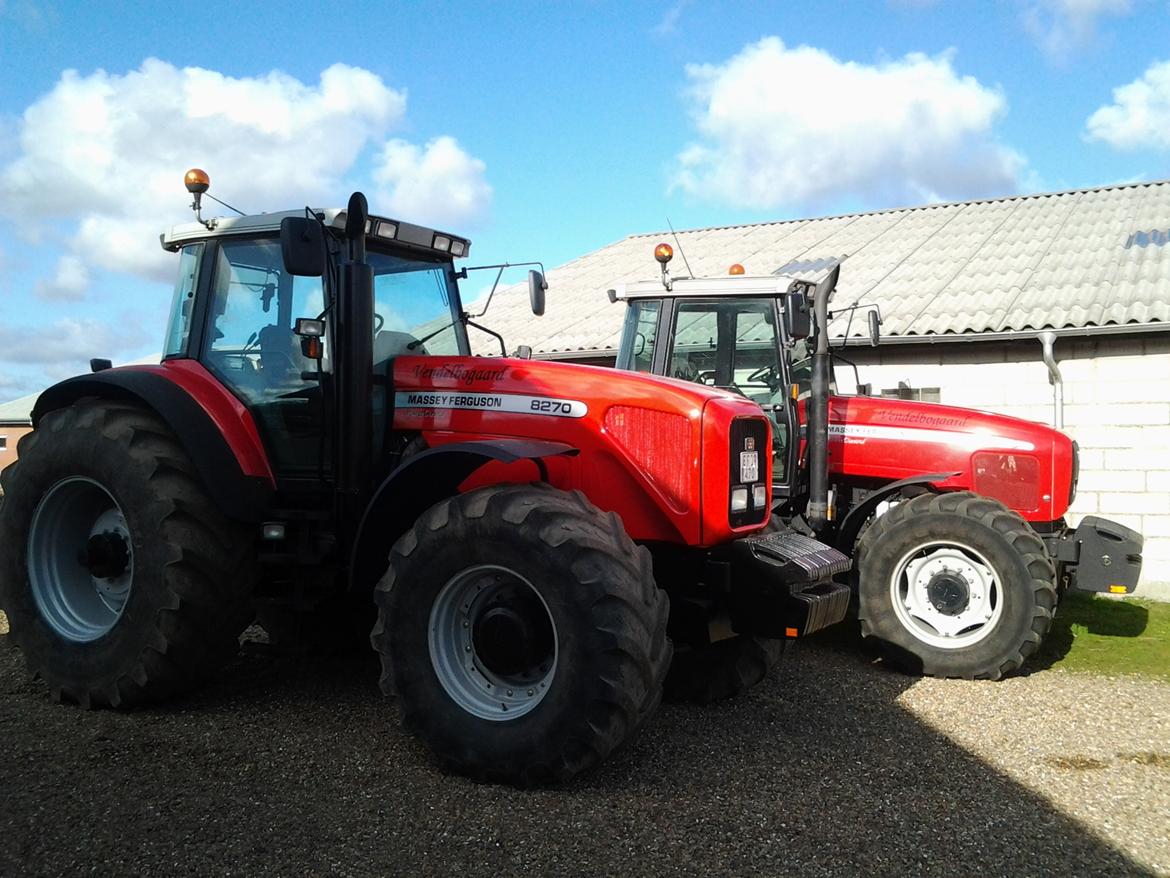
[{"x": 1099, "y": 635}]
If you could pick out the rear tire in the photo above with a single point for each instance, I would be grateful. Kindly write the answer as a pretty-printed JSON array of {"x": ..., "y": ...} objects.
[
  {"x": 121, "y": 580},
  {"x": 954, "y": 585},
  {"x": 721, "y": 670},
  {"x": 522, "y": 632}
]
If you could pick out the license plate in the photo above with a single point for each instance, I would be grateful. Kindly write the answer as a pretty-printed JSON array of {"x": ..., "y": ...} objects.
[{"x": 749, "y": 466}]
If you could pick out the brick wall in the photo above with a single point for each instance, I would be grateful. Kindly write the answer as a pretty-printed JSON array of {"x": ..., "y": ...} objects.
[
  {"x": 1116, "y": 405},
  {"x": 9, "y": 436}
]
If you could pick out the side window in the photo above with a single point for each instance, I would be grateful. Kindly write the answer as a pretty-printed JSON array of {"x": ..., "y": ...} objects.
[
  {"x": 696, "y": 342},
  {"x": 179, "y": 325},
  {"x": 639, "y": 335},
  {"x": 254, "y": 307},
  {"x": 756, "y": 364}
]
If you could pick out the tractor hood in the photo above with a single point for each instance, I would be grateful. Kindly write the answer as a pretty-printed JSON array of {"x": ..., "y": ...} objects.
[
  {"x": 635, "y": 436},
  {"x": 1026, "y": 465}
]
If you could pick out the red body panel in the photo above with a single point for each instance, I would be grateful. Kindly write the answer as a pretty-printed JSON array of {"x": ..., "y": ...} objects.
[
  {"x": 1025, "y": 465},
  {"x": 231, "y": 418},
  {"x": 653, "y": 450}
]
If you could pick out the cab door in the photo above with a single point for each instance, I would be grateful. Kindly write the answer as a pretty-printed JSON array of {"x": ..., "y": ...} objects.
[{"x": 734, "y": 344}]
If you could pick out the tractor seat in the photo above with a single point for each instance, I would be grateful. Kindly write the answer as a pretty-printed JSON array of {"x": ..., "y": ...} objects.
[{"x": 281, "y": 360}]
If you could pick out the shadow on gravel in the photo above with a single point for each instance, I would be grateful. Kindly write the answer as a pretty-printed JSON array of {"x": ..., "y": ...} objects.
[{"x": 298, "y": 766}]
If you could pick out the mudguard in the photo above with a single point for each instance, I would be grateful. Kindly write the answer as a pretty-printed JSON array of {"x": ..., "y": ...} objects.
[
  {"x": 423, "y": 480},
  {"x": 238, "y": 495},
  {"x": 859, "y": 514}
]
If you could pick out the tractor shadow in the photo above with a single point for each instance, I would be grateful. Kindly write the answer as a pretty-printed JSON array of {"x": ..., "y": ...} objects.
[
  {"x": 296, "y": 764},
  {"x": 1103, "y": 616}
]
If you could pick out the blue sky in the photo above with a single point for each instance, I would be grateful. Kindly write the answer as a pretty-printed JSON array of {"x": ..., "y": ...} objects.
[{"x": 540, "y": 130}]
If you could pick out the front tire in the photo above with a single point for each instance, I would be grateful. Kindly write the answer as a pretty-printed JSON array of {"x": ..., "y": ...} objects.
[
  {"x": 122, "y": 582},
  {"x": 522, "y": 633},
  {"x": 954, "y": 585}
]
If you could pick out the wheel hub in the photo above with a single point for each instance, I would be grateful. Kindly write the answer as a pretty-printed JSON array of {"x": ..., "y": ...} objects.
[
  {"x": 80, "y": 559},
  {"x": 513, "y": 638},
  {"x": 106, "y": 555},
  {"x": 948, "y": 593},
  {"x": 492, "y": 642}
]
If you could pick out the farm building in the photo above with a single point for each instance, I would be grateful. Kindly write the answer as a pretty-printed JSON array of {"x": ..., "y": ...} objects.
[
  {"x": 965, "y": 290},
  {"x": 14, "y": 423}
]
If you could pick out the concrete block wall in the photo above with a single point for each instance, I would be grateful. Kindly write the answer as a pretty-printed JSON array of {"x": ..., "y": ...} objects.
[{"x": 1116, "y": 405}]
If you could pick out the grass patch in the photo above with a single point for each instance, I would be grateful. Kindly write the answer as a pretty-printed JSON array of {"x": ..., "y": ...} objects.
[{"x": 1100, "y": 635}]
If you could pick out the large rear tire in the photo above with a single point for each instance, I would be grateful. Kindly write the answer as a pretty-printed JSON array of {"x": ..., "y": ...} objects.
[
  {"x": 954, "y": 585},
  {"x": 121, "y": 580},
  {"x": 522, "y": 632}
]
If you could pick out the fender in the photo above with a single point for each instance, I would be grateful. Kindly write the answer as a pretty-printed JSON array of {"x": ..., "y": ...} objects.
[
  {"x": 859, "y": 514},
  {"x": 241, "y": 495},
  {"x": 422, "y": 481}
]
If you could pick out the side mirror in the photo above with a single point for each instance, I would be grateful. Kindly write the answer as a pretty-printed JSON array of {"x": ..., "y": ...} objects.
[
  {"x": 875, "y": 333},
  {"x": 536, "y": 287},
  {"x": 797, "y": 320},
  {"x": 302, "y": 245}
]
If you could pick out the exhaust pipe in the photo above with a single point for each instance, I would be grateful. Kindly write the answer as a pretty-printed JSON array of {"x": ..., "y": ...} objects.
[
  {"x": 818, "y": 410},
  {"x": 1048, "y": 339}
]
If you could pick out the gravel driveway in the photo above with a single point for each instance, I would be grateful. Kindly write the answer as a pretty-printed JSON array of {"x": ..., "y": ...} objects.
[{"x": 833, "y": 767}]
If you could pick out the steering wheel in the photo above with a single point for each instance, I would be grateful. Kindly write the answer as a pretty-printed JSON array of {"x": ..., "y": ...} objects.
[
  {"x": 765, "y": 375},
  {"x": 379, "y": 322}
]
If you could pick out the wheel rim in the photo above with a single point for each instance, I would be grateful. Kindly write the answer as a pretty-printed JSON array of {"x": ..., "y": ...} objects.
[
  {"x": 946, "y": 594},
  {"x": 492, "y": 642},
  {"x": 80, "y": 559}
]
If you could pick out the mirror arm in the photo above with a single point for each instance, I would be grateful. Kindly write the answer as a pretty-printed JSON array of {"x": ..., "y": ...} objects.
[{"x": 467, "y": 321}]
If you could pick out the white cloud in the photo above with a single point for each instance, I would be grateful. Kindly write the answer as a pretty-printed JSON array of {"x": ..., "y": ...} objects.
[
  {"x": 1063, "y": 27},
  {"x": 70, "y": 281},
  {"x": 103, "y": 155},
  {"x": 66, "y": 343},
  {"x": 439, "y": 184},
  {"x": 1139, "y": 115},
  {"x": 797, "y": 127}
]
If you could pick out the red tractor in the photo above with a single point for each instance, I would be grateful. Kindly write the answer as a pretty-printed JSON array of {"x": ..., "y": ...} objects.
[
  {"x": 317, "y": 436},
  {"x": 955, "y": 517}
]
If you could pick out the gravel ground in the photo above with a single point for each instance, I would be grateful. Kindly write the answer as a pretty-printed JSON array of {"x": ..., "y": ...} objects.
[{"x": 833, "y": 767}]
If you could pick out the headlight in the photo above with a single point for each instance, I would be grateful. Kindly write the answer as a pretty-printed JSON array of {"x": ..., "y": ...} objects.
[
  {"x": 759, "y": 496},
  {"x": 739, "y": 499}
]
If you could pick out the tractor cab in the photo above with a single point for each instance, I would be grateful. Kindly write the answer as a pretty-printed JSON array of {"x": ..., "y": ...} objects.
[
  {"x": 260, "y": 304},
  {"x": 750, "y": 335}
]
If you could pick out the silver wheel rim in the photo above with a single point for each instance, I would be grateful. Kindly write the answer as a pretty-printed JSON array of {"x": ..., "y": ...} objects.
[
  {"x": 80, "y": 559},
  {"x": 946, "y": 594},
  {"x": 461, "y": 664}
]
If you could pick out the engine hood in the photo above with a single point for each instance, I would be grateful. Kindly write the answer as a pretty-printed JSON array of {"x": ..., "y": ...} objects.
[{"x": 1026, "y": 465}]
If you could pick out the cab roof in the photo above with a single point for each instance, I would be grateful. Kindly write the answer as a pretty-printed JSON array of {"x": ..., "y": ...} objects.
[
  {"x": 705, "y": 287},
  {"x": 378, "y": 228}
]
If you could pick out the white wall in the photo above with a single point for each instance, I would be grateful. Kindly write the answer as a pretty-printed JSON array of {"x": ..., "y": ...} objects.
[{"x": 1116, "y": 405}]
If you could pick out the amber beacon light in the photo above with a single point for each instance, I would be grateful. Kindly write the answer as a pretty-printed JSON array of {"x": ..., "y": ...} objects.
[
  {"x": 197, "y": 181},
  {"x": 663, "y": 253}
]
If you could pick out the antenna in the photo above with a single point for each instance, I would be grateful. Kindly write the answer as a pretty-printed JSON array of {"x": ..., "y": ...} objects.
[{"x": 681, "y": 252}]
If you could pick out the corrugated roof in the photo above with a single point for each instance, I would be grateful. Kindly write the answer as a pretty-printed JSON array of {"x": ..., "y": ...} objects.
[
  {"x": 1063, "y": 260},
  {"x": 18, "y": 410}
]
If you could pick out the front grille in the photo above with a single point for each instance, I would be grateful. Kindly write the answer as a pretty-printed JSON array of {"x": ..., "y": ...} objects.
[{"x": 747, "y": 432}]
